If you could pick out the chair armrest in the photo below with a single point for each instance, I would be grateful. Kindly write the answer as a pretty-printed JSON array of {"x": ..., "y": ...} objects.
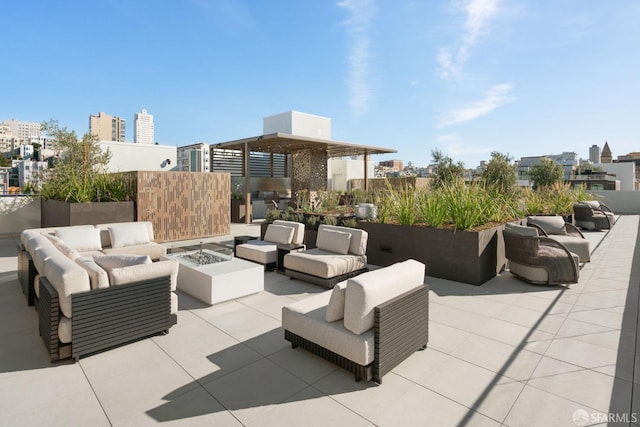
[
  {"x": 547, "y": 241},
  {"x": 605, "y": 208},
  {"x": 572, "y": 230},
  {"x": 541, "y": 231},
  {"x": 401, "y": 327}
]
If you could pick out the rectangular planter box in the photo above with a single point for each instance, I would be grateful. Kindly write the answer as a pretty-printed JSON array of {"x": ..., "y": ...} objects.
[
  {"x": 471, "y": 257},
  {"x": 55, "y": 213},
  {"x": 238, "y": 211}
]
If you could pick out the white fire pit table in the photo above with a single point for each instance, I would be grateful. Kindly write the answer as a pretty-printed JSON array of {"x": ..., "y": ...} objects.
[{"x": 210, "y": 273}]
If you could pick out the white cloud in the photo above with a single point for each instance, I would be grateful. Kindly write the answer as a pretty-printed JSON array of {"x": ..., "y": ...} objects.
[
  {"x": 361, "y": 15},
  {"x": 497, "y": 96},
  {"x": 479, "y": 14}
]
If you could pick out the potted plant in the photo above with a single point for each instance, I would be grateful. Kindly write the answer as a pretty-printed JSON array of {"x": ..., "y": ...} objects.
[{"x": 77, "y": 190}]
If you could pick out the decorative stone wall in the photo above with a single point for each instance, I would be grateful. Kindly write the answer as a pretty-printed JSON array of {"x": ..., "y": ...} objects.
[
  {"x": 184, "y": 205},
  {"x": 309, "y": 171}
]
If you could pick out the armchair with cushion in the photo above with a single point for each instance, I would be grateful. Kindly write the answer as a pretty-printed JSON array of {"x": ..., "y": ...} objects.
[
  {"x": 539, "y": 259},
  {"x": 340, "y": 253},
  {"x": 591, "y": 215},
  {"x": 266, "y": 251},
  {"x": 368, "y": 324},
  {"x": 557, "y": 229}
]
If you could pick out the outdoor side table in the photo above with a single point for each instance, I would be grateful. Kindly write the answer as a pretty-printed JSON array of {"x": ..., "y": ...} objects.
[{"x": 284, "y": 249}]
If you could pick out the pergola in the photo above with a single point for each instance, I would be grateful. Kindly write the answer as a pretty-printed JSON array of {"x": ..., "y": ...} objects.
[{"x": 311, "y": 149}]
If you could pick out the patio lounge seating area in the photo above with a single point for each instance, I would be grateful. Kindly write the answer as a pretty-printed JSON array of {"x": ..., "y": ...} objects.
[{"x": 504, "y": 353}]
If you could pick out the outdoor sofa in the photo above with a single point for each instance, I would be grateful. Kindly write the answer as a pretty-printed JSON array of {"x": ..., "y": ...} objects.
[
  {"x": 340, "y": 253},
  {"x": 367, "y": 324},
  {"x": 265, "y": 251},
  {"x": 96, "y": 287}
]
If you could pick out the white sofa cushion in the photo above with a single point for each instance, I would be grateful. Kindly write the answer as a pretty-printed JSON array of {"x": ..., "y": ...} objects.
[
  {"x": 367, "y": 290},
  {"x": 67, "y": 278},
  {"x": 42, "y": 253},
  {"x": 319, "y": 263},
  {"x": 135, "y": 273},
  {"x": 64, "y": 330},
  {"x": 153, "y": 249},
  {"x": 174, "y": 303},
  {"x": 36, "y": 285},
  {"x": 66, "y": 250},
  {"x": 307, "y": 318},
  {"x": 128, "y": 234},
  {"x": 279, "y": 234},
  {"x": 106, "y": 239},
  {"x": 333, "y": 241},
  {"x": 298, "y": 227},
  {"x": 35, "y": 241},
  {"x": 260, "y": 251},
  {"x": 358, "y": 244},
  {"x": 109, "y": 262},
  {"x": 84, "y": 238},
  {"x": 335, "y": 308},
  {"x": 98, "y": 277}
]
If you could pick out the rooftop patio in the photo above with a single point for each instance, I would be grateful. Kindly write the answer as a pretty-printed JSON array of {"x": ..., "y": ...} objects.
[{"x": 505, "y": 353}]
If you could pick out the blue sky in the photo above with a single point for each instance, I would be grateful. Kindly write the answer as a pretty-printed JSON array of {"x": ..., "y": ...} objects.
[{"x": 467, "y": 77}]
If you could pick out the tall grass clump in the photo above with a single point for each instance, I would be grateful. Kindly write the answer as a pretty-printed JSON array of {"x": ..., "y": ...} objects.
[
  {"x": 432, "y": 207},
  {"x": 403, "y": 204},
  {"x": 469, "y": 205}
]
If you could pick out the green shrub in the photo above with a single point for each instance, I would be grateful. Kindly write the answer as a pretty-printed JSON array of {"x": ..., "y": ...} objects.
[
  {"x": 432, "y": 207},
  {"x": 330, "y": 220}
]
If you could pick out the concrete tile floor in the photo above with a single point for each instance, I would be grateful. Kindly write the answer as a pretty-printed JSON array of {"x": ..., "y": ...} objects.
[{"x": 505, "y": 353}]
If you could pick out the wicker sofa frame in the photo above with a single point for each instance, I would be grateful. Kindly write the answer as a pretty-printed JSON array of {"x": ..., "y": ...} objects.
[
  {"x": 26, "y": 274},
  {"x": 105, "y": 318},
  {"x": 586, "y": 213},
  {"x": 401, "y": 328}
]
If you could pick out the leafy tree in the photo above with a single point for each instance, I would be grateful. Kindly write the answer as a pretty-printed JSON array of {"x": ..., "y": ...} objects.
[
  {"x": 446, "y": 170},
  {"x": 4, "y": 162},
  {"x": 500, "y": 173},
  {"x": 75, "y": 176},
  {"x": 546, "y": 174}
]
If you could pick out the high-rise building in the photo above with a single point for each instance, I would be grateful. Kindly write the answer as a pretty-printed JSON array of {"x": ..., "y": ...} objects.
[
  {"x": 143, "y": 127},
  {"x": 107, "y": 128},
  {"x": 594, "y": 154},
  {"x": 22, "y": 131}
]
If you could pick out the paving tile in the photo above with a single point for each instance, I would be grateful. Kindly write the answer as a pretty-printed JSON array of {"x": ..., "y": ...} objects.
[
  {"x": 445, "y": 338},
  {"x": 459, "y": 319},
  {"x": 549, "y": 366},
  {"x": 249, "y": 391},
  {"x": 310, "y": 408},
  {"x": 57, "y": 396},
  {"x": 590, "y": 388},
  {"x": 537, "y": 408},
  {"x": 604, "y": 318},
  {"x": 203, "y": 350},
  {"x": 511, "y": 333},
  {"x": 533, "y": 319},
  {"x": 135, "y": 378},
  {"x": 474, "y": 387},
  {"x": 303, "y": 364},
  {"x": 575, "y": 328},
  {"x": 503, "y": 359},
  {"x": 421, "y": 364},
  {"x": 581, "y": 353}
]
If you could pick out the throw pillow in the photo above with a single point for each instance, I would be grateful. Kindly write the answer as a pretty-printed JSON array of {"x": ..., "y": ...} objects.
[
  {"x": 81, "y": 239},
  {"x": 109, "y": 262},
  {"x": 128, "y": 234},
  {"x": 97, "y": 275},
  {"x": 335, "y": 308},
  {"x": 333, "y": 241},
  {"x": 279, "y": 234}
]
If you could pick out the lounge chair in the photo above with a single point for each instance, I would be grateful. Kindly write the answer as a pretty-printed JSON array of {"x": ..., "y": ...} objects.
[
  {"x": 340, "y": 253},
  {"x": 539, "y": 259},
  {"x": 266, "y": 251},
  {"x": 591, "y": 217},
  {"x": 556, "y": 228}
]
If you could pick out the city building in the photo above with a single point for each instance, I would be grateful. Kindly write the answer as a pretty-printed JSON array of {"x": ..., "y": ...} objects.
[
  {"x": 7, "y": 140},
  {"x": 143, "y": 128},
  {"x": 22, "y": 131},
  {"x": 594, "y": 154},
  {"x": 25, "y": 151},
  {"x": 568, "y": 160},
  {"x": 605, "y": 156},
  {"x": 4, "y": 180},
  {"x": 193, "y": 158},
  {"x": 393, "y": 165},
  {"x": 107, "y": 128},
  {"x": 28, "y": 172},
  {"x": 139, "y": 157}
]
